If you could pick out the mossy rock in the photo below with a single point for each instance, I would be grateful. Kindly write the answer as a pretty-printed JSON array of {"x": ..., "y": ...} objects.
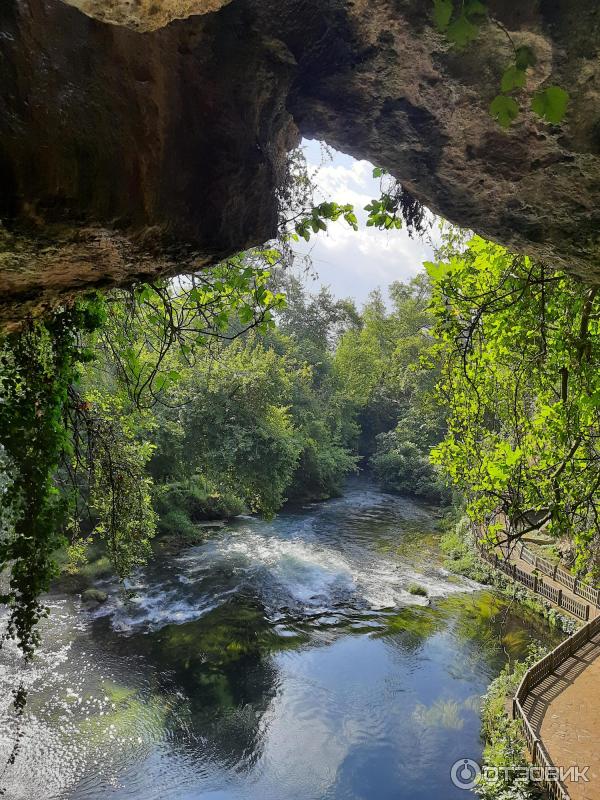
[{"x": 94, "y": 597}]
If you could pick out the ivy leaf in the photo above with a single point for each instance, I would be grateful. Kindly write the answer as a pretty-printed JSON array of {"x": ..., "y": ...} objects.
[
  {"x": 462, "y": 31},
  {"x": 379, "y": 171},
  {"x": 351, "y": 219},
  {"x": 246, "y": 314},
  {"x": 436, "y": 271},
  {"x": 442, "y": 14},
  {"x": 525, "y": 57},
  {"x": 551, "y": 104},
  {"x": 505, "y": 109},
  {"x": 475, "y": 8},
  {"x": 513, "y": 78}
]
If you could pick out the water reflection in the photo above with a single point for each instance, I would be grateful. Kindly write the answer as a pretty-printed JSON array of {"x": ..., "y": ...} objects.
[{"x": 277, "y": 660}]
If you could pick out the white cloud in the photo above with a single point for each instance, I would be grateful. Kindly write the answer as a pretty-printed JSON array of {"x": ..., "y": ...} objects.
[{"x": 353, "y": 263}]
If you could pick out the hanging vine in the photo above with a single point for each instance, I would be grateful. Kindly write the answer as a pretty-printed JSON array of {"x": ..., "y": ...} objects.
[{"x": 38, "y": 364}]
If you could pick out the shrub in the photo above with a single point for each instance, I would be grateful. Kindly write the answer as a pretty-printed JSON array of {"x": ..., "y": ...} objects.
[
  {"x": 505, "y": 743},
  {"x": 181, "y": 506},
  {"x": 401, "y": 466}
]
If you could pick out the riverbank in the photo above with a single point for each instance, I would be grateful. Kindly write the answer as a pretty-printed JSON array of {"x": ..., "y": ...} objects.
[{"x": 462, "y": 558}]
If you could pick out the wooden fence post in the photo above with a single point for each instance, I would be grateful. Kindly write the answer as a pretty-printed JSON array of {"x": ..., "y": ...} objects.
[
  {"x": 535, "y": 584},
  {"x": 554, "y": 572},
  {"x": 559, "y": 601}
]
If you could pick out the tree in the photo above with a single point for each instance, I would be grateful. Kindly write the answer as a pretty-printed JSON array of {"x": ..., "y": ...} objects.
[{"x": 520, "y": 348}]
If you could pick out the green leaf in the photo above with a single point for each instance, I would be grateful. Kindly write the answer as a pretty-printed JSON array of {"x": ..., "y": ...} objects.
[
  {"x": 551, "y": 104},
  {"x": 379, "y": 171},
  {"x": 442, "y": 14},
  {"x": 513, "y": 78},
  {"x": 462, "y": 31},
  {"x": 436, "y": 270},
  {"x": 475, "y": 8},
  {"x": 504, "y": 109},
  {"x": 525, "y": 57},
  {"x": 246, "y": 314}
]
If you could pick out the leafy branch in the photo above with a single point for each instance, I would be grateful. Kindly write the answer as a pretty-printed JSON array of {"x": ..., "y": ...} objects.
[{"x": 461, "y": 26}]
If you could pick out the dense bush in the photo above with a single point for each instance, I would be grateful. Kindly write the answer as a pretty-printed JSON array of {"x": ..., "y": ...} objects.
[
  {"x": 180, "y": 506},
  {"x": 400, "y": 466}
]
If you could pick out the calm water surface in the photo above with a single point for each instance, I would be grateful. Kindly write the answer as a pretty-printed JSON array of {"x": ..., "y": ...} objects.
[{"x": 281, "y": 660}]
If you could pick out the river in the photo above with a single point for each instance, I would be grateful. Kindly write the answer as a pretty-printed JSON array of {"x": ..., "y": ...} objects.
[{"x": 279, "y": 660}]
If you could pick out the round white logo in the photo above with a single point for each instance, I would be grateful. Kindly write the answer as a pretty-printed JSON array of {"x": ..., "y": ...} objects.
[{"x": 464, "y": 773}]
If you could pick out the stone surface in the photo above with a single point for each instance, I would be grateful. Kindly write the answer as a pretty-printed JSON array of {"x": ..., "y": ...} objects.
[
  {"x": 145, "y": 15},
  {"x": 92, "y": 598},
  {"x": 126, "y": 154}
]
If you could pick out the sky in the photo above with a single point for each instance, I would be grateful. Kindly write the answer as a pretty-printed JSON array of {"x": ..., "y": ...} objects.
[{"x": 353, "y": 263}]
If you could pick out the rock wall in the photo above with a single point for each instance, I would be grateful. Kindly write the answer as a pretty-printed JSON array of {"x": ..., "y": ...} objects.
[
  {"x": 125, "y": 154},
  {"x": 145, "y": 15}
]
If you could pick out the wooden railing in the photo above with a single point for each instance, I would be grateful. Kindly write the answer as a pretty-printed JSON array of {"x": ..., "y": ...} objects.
[
  {"x": 548, "y": 664},
  {"x": 589, "y": 593},
  {"x": 532, "y": 678},
  {"x": 539, "y": 586}
]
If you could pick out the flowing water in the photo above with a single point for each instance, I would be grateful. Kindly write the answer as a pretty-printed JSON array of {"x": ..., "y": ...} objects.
[{"x": 282, "y": 660}]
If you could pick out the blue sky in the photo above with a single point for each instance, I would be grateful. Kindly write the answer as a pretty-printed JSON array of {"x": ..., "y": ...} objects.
[{"x": 353, "y": 263}]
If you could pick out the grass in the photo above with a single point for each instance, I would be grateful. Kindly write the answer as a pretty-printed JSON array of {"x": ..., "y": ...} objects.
[
  {"x": 416, "y": 589},
  {"x": 461, "y": 557},
  {"x": 504, "y": 741}
]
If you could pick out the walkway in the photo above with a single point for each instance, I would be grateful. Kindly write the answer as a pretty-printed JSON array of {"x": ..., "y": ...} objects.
[
  {"x": 561, "y": 702},
  {"x": 564, "y": 712},
  {"x": 567, "y": 593}
]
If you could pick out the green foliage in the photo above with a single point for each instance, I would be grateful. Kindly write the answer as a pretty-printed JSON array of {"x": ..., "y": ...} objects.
[
  {"x": 458, "y": 546},
  {"x": 154, "y": 334},
  {"x": 320, "y": 214},
  {"x": 180, "y": 506},
  {"x": 383, "y": 213},
  {"x": 442, "y": 13},
  {"x": 551, "y": 104},
  {"x": 524, "y": 58},
  {"x": 505, "y": 109},
  {"x": 385, "y": 369},
  {"x": 176, "y": 522},
  {"x": 37, "y": 366},
  {"x": 401, "y": 466},
  {"x": 394, "y": 206},
  {"x": 513, "y": 78},
  {"x": 120, "y": 496},
  {"x": 504, "y": 740},
  {"x": 520, "y": 379},
  {"x": 461, "y": 24},
  {"x": 239, "y": 430}
]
